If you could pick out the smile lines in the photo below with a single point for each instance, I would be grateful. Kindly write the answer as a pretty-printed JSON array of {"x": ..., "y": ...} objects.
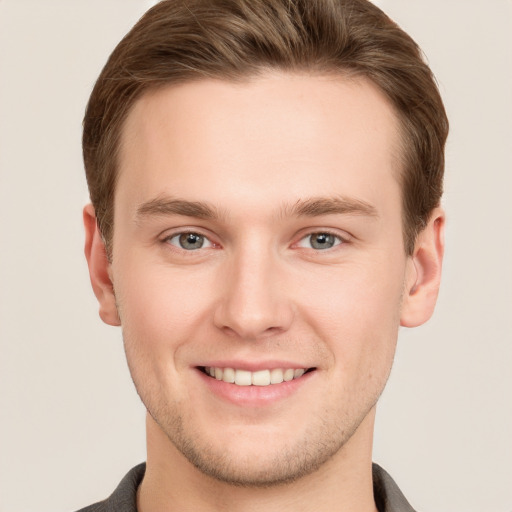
[{"x": 258, "y": 378}]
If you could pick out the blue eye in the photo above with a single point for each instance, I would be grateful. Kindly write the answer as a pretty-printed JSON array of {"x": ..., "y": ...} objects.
[
  {"x": 320, "y": 241},
  {"x": 189, "y": 241}
]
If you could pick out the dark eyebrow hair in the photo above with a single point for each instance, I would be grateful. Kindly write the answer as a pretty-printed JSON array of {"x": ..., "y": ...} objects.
[
  {"x": 170, "y": 206},
  {"x": 316, "y": 206},
  {"x": 312, "y": 207}
]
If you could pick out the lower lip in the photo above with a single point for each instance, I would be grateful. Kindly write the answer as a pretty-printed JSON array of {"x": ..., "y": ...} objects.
[{"x": 254, "y": 396}]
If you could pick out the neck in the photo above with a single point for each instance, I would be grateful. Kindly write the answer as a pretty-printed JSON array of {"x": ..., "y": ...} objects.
[{"x": 342, "y": 483}]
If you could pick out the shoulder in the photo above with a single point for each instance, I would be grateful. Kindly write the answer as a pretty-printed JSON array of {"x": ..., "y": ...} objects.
[
  {"x": 388, "y": 497},
  {"x": 124, "y": 498}
]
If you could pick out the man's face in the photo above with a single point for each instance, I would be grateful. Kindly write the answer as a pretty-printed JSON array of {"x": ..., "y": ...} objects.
[{"x": 258, "y": 231}]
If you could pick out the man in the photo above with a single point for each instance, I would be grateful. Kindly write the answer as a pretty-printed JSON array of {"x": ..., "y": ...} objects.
[{"x": 265, "y": 178}]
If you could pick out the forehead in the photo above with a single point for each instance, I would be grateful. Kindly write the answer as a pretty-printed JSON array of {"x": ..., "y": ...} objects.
[{"x": 281, "y": 130}]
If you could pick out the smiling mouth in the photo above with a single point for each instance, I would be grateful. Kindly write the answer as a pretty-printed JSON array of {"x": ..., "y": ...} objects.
[{"x": 258, "y": 378}]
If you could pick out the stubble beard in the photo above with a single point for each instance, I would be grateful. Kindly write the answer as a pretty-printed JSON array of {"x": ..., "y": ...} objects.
[
  {"x": 325, "y": 437},
  {"x": 308, "y": 453},
  {"x": 285, "y": 467}
]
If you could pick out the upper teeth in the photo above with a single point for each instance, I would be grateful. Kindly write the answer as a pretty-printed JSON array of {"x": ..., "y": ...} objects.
[{"x": 259, "y": 378}]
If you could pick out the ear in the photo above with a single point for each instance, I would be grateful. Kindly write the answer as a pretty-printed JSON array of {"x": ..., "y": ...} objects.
[
  {"x": 423, "y": 276},
  {"x": 99, "y": 268}
]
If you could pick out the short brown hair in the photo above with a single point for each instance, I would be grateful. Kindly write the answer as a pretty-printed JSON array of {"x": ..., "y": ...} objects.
[{"x": 185, "y": 40}]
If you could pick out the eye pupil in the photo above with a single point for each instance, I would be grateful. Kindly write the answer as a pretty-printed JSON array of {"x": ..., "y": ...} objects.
[
  {"x": 322, "y": 241},
  {"x": 191, "y": 241}
]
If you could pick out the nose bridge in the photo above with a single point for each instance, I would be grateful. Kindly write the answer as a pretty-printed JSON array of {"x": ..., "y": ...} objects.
[{"x": 253, "y": 301}]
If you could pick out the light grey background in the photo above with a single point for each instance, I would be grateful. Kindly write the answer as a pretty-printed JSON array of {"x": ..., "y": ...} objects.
[{"x": 71, "y": 424}]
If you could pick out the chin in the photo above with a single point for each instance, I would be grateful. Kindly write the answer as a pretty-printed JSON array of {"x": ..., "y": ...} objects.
[
  {"x": 257, "y": 459},
  {"x": 257, "y": 469}
]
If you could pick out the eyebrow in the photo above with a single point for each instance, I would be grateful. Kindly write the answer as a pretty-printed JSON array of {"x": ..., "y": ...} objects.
[
  {"x": 317, "y": 206},
  {"x": 311, "y": 207},
  {"x": 162, "y": 206}
]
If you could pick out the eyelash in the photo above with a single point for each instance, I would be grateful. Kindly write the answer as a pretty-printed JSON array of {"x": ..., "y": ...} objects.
[{"x": 338, "y": 240}]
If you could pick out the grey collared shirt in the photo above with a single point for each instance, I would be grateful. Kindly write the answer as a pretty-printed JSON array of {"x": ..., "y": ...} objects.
[{"x": 388, "y": 496}]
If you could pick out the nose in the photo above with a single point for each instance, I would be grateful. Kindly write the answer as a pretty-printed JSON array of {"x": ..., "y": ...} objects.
[{"x": 254, "y": 302}]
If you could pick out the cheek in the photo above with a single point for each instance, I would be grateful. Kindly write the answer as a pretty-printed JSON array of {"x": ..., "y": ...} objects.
[
  {"x": 365, "y": 292},
  {"x": 159, "y": 307},
  {"x": 161, "y": 311},
  {"x": 357, "y": 312}
]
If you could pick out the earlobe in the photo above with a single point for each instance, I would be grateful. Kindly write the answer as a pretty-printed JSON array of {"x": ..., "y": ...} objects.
[
  {"x": 424, "y": 273},
  {"x": 99, "y": 268}
]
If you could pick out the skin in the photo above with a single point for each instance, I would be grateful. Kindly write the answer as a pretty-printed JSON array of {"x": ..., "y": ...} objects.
[{"x": 276, "y": 158}]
